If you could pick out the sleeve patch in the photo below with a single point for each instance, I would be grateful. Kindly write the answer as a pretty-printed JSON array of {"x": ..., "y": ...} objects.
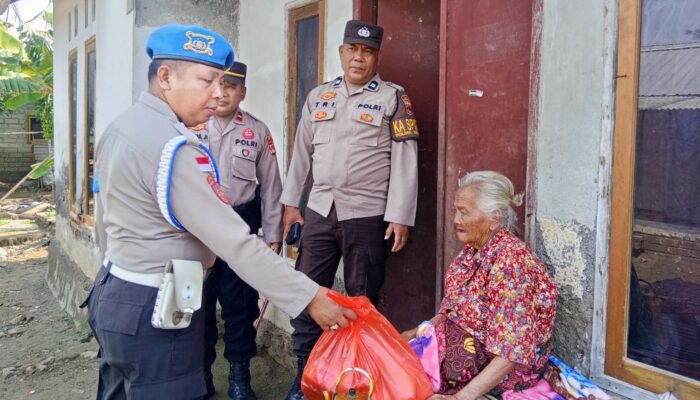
[
  {"x": 217, "y": 190},
  {"x": 404, "y": 129},
  {"x": 270, "y": 145},
  {"x": 408, "y": 107},
  {"x": 403, "y": 122}
]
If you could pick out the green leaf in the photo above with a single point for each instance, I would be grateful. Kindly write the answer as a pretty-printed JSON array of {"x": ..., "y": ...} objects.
[
  {"x": 8, "y": 41},
  {"x": 48, "y": 17},
  {"x": 16, "y": 83},
  {"x": 22, "y": 99},
  {"x": 44, "y": 168}
]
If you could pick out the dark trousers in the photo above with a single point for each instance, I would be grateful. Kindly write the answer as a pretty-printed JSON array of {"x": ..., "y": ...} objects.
[
  {"x": 138, "y": 361},
  {"x": 360, "y": 242},
  {"x": 239, "y": 303}
]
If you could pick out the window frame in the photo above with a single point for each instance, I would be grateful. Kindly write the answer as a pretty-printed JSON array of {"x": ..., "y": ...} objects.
[
  {"x": 86, "y": 218},
  {"x": 75, "y": 21},
  {"x": 28, "y": 128},
  {"x": 296, "y": 15},
  {"x": 617, "y": 364},
  {"x": 72, "y": 57}
]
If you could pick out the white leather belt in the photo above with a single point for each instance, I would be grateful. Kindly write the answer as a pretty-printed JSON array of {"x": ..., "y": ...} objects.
[{"x": 151, "y": 279}]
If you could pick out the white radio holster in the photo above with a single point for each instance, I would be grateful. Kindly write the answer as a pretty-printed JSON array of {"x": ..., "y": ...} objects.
[{"x": 179, "y": 295}]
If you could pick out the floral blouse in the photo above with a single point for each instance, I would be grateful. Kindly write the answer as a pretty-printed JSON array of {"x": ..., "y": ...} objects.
[{"x": 504, "y": 296}]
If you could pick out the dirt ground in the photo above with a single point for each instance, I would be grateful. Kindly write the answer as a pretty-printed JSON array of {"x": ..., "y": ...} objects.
[{"x": 42, "y": 354}]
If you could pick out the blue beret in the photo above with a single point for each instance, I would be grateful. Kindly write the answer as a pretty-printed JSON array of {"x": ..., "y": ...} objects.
[{"x": 190, "y": 43}]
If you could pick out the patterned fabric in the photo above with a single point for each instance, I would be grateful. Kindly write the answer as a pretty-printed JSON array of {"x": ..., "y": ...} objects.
[
  {"x": 462, "y": 357},
  {"x": 505, "y": 298}
]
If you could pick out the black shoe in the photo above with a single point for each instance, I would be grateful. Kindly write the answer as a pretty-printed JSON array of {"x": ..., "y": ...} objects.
[
  {"x": 209, "y": 382},
  {"x": 239, "y": 382},
  {"x": 295, "y": 392}
]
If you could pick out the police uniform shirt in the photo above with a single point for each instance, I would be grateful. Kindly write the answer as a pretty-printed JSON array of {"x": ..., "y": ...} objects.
[
  {"x": 245, "y": 151},
  {"x": 137, "y": 236},
  {"x": 361, "y": 149}
]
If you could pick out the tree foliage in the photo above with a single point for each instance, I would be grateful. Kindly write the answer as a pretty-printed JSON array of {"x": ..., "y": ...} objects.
[{"x": 26, "y": 70}]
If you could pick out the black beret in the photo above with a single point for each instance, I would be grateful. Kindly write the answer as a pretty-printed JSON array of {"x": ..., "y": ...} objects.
[
  {"x": 236, "y": 74},
  {"x": 360, "y": 32}
]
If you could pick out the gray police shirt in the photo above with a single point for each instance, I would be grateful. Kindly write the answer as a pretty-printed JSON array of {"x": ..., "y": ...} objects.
[{"x": 134, "y": 234}]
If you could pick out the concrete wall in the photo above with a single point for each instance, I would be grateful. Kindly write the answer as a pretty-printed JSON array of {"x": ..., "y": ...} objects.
[
  {"x": 572, "y": 161},
  {"x": 262, "y": 45},
  {"x": 15, "y": 150}
]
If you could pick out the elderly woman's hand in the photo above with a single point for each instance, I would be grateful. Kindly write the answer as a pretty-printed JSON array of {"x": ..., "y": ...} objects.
[
  {"x": 437, "y": 396},
  {"x": 409, "y": 334}
]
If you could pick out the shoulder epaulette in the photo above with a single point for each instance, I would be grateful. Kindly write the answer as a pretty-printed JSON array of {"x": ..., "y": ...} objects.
[
  {"x": 253, "y": 117},
  {"x": 395, "y": 86}
]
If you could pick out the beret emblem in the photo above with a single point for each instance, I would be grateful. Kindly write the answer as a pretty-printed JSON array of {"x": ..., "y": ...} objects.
[{"x": 199, "y": 43}]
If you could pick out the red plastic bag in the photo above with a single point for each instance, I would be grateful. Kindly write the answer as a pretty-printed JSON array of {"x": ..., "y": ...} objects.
[{"x": 368, "y": 358}]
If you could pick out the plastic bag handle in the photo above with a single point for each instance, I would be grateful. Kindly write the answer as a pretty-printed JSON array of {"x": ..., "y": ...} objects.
[
  {"x": 360, "y": 371},
  {"x": 360, "y": 304}
]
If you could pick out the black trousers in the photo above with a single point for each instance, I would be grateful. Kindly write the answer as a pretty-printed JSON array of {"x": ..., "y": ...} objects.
[
  {"x": 138, "y": 361},
  {"x": 239, "y": 303},
  {"x": 360, "y": 242}
]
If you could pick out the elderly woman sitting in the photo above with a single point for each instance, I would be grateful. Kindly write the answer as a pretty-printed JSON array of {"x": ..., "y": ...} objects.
[{"x": 495, "y": 321}]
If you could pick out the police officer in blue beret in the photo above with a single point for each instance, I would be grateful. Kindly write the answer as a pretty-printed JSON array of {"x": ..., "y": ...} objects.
[{"x": 159, "y": 204}]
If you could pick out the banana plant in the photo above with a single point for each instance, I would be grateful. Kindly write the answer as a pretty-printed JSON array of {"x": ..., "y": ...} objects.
[{"x": 26, "y": 70}]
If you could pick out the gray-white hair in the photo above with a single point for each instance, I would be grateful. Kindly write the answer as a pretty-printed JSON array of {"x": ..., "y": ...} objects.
[{"x": 496, "y": 195}]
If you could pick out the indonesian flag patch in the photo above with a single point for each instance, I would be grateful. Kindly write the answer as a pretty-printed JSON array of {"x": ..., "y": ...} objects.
[{"x": 204, "y": 164}]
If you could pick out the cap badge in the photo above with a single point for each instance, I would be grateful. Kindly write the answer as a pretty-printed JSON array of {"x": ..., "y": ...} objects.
[
  {"x": 364, "y": 32},
  {"x": 199, "y": 43}
]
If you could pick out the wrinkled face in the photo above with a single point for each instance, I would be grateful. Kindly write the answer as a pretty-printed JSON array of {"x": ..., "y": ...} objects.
[
  {"x": 359, "y": 62},
  {"x": 192, "y": 91},
  {"x": 473, "y": 227},
  {"x": 231, "y": 96}
]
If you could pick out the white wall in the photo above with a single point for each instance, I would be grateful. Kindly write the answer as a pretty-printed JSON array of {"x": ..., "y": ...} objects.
[
  {"x": 262, "y": 45},
  {"x": 62, "y": 47},
  {"x": 112, "y": 30},
  {"x": 114, "y": 60}
]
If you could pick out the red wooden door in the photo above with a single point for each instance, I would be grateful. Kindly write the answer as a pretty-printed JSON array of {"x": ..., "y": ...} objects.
[
  {"x": 487, "y": 48},
  {"x": 439, "y": 50},
  {"x": 410, "y": 57}
]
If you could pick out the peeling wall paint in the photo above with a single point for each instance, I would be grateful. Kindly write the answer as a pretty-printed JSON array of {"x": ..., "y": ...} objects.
[
  {"x": 562, "y": 246},
  {"x": 567, "y": 248},
  {"x": 571, "y": 110}
]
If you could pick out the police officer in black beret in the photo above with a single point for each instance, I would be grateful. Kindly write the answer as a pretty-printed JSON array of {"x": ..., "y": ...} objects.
[{"x": 358, "y": 138}]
